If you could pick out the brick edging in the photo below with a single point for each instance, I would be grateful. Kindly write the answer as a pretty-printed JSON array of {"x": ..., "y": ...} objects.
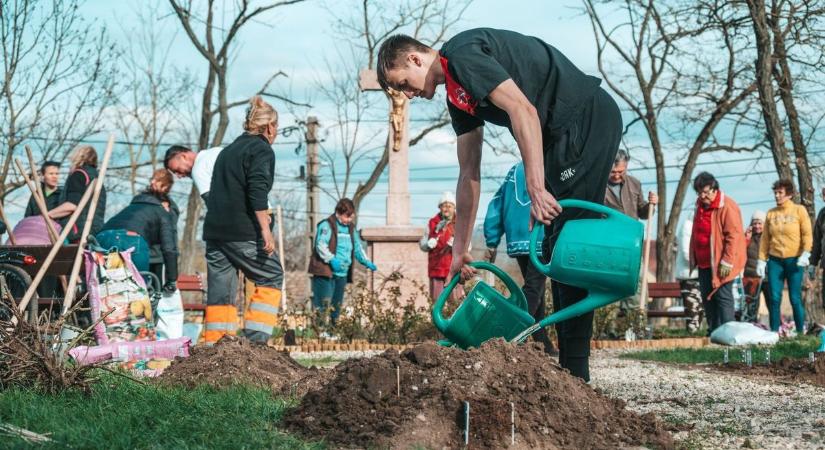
[{"x": 317, "y": 346}]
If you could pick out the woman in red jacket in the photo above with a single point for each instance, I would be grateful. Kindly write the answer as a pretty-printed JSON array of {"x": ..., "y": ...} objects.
[{"x": 438, "y": 242}]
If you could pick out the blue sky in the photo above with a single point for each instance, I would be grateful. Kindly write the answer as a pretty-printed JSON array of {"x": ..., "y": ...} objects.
[{"x": 298, "y": 40}]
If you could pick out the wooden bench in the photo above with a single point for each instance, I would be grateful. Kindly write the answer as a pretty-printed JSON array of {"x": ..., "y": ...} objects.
[
  {"x": 192, "y": 283},
  {"x": 664, "y": 290}
]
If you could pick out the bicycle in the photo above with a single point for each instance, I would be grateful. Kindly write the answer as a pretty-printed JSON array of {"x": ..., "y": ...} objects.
[{"x": 15, "y": 282}]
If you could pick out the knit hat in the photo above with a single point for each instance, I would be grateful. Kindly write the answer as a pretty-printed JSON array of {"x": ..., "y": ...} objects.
[
  {"x": 758, "y": 215},
  {"x": 447, "y": 197}
]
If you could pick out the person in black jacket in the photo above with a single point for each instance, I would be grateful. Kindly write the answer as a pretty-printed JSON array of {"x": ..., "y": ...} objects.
[
  {"x": 50, "y": 177},
  {"x": 81, "y": 176},
  {"x": 156, "y": 256},
  {"x": 238, "y": 231},
  {"x": 146, "y": 222},
  {"x": 817, "y": 259}
]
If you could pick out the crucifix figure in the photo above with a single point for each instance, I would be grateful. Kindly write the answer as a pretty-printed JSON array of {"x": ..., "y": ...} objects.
[{"x": 398, "y": 196}]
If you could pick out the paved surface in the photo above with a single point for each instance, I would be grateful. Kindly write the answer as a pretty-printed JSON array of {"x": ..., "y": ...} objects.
[{"x": 725, "y": 410}]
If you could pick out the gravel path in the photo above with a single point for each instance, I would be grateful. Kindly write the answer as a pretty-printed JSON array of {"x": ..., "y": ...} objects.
[{"x": 725, "y": 410}]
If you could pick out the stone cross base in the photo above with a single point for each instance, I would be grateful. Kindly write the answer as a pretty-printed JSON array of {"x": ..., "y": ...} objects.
[{"x": 395, "y": 248}]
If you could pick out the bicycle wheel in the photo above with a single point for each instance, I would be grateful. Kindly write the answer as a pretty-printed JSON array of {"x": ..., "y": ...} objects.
[{"x": 17, "y": 282}]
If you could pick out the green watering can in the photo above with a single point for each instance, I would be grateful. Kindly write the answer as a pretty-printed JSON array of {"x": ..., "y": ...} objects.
[
  {"x": 484, "y": 314},
  {"x": 602, "y": 256}
]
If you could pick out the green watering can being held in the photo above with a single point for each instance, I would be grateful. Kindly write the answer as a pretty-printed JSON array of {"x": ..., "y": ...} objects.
[{"x": 600, "y": 255}]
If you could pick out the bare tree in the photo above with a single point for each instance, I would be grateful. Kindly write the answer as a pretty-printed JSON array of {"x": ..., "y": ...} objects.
[
  {"x": 786, "y": 32},
  {"x": 147, "y": 109},
  {"x": 352, "y": 138},
  {"x": 59, "y": 74},
  {"x": 214, "y": 43},
  {"x": 682, "y": 76}
]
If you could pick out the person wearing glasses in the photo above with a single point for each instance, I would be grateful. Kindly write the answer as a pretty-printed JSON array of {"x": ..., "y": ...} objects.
[{"x": 717, "y": 249}]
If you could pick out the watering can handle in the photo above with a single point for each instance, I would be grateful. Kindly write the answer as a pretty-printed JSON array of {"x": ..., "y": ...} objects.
[
  {"x": 566, "y": 203},
  {"x": 516, "y": 295}
]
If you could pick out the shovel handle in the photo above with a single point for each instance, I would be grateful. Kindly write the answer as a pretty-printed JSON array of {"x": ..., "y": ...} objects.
[{"x": 516, "y": 295}]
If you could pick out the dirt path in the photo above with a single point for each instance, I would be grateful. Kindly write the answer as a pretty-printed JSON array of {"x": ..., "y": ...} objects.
[{"x": 724, "y": 410}]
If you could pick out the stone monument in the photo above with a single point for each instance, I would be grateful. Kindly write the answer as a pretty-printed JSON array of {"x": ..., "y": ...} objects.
[{"x": 394, "y": 246}]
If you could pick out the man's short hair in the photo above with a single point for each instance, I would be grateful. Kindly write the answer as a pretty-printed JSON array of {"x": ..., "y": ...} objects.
[
  {"x": 704, "y": 180},
  {"x": 172, "y": 152},
  {"x": 47, "y": 164},
  {"x": 786, "y": 184},
  {"x": 393, "y": 49},
  {"x": 621, "y": 157},
  {"x": 345, "y": 207}
]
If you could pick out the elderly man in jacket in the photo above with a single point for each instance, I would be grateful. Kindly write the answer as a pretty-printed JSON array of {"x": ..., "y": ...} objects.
[
  {"x": 717, "y": 248},
  {"x": 624, "y": 194}
]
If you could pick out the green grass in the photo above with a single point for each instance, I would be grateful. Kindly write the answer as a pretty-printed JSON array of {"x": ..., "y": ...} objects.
[
  {"x": 123, "y": 414},
  {"x": 798, "y": 347}
]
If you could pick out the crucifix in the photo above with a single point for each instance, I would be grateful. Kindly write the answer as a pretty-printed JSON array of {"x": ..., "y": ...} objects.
[{"x": 398, "y": 141}]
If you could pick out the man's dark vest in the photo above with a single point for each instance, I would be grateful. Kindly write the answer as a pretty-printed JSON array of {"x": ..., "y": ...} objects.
[{"x": 317, "y": 266}]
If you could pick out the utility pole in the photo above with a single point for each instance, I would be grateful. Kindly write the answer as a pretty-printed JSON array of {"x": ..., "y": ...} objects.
[{"x": 313, "y": 192}]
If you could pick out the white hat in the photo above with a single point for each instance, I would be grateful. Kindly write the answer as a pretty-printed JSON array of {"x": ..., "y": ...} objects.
[
  {"x": 758, "y": 215},
  {"x": 447, "y": 197}
]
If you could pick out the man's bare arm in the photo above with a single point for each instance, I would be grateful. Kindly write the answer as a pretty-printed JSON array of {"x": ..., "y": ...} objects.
[
  {"x": 527, "y": 132},
  {"x": 467, "y": 194}
]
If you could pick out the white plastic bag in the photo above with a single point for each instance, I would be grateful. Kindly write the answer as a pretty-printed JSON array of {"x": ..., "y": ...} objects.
[
  {"x": 742, "y": 333},
  {"x": 170, "y": 316}
]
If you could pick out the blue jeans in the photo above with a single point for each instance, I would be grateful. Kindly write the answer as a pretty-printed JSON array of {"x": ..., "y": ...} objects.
[
  {"x": 328, "y": 292},
  {"x": 779, "y": 270},
  {"x": 123, "y": 240}
]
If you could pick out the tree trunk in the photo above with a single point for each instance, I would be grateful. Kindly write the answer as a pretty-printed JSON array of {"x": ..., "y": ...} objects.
[
  {"x": 784, "y": 79},
  {"x": 764, "y": 81}
]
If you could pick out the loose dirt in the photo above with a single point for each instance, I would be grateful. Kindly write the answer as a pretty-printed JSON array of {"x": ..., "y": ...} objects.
[
  {"x": 237, "y": 361},
  {"x": 786, "y": 369},
  {"x": 364, "y": 406}
]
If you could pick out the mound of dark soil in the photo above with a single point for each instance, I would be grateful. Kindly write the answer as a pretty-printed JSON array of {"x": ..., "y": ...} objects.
[
  {"x": 235, "y": 360},
  {"x": 786, "y": 369},
  {"x": 364, "y": 405}
]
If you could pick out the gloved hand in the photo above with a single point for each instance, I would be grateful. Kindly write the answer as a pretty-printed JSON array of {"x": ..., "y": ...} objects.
[
  {"x": 370, "y": 265},
  {"x": 804, "y": 259},
  {"x": 450, "y": 241},
  {"x": 432, "y": 242},
  {"x": 335, "y": 264},
  {"x": 170, "y": 287},
  {"x": 812, "y": 271},
  {"x": 760, "y": 268},
  {"x": 490, "y": 254},
  {"x": 724, "y": 270}
]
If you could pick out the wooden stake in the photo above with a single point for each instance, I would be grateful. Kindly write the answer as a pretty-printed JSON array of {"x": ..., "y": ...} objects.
[
  {"x": 55, "y": 247},
  {"x": 38, "y": 199},
  {"x": 643, "y": 299},
  {"x": 39, "y": 189},
  {"x": 8, "y": 225},
  {"x": 281, "y": 254},
  {"x": 87, "y": 227}
]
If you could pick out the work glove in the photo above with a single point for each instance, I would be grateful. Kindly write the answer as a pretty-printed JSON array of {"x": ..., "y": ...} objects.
[
  {"x": 432, "y": 242},
  {"x": 335, "y": 264},
  {"x": 170, "y": 287},
  {"x": 450, "y": 241},
  {"x": 804, "y": 259},
  {"x": 724, "y": 270},
  {"x": 760, "y": 268},
  {"x": 371, "y": 265},
  {"x": 490, "y": 254},
  {"x": 812, "y": 271}
]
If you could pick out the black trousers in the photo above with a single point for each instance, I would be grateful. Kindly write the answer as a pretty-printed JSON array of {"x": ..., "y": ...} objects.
[
  {"x": 719, "y": 310},
  {"x": 534, "y": 282},
  {"x": 577, "y": 165}
]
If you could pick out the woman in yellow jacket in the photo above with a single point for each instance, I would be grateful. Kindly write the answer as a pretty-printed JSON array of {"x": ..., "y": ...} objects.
[{"x": 785, "y": 250}]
